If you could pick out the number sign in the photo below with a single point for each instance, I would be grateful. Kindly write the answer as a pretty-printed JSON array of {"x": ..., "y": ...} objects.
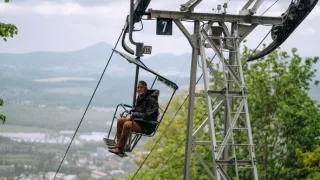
[
  {"x": 147, "y": 49},
  {"x": 164, "y": 26}
]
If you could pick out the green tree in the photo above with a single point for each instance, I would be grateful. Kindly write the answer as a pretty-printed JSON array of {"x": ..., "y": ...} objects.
[
  {"x": 6, "y": 30},
  {"x": 283, "y": 115},
  {"x": 2, "y": 117},
  {"x": 311, "y": 162},
  {"x": 283, "y": 118}
]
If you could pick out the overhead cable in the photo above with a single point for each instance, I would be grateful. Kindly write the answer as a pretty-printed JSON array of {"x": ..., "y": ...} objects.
[{"x": 89, "y": 103}]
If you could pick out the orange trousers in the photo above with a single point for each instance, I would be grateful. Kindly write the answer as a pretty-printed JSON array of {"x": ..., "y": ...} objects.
[{"x": 123, "y": 130}]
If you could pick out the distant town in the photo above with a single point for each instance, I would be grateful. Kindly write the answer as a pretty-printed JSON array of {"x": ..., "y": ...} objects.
[{"x": 88, "y": 154}]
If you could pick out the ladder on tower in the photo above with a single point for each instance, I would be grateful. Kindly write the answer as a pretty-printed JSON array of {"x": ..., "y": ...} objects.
[{"x": 232, "y": 150}]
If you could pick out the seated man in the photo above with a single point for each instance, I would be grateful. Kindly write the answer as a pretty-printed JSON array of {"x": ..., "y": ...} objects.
[{"x": 146, "y": 108}]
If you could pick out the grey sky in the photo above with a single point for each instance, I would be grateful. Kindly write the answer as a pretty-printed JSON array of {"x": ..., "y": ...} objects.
[{"x": 65, "y": 25}]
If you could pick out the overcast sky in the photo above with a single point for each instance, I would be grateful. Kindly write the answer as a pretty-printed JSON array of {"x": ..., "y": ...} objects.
[{"x": 65, "y": 25}]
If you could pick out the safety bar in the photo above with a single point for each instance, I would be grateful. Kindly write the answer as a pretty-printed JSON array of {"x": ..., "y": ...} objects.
[{"x": 124, "y": 106}]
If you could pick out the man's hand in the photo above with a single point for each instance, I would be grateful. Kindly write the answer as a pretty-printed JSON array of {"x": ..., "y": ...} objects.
[{"x": 131, "y": 115}]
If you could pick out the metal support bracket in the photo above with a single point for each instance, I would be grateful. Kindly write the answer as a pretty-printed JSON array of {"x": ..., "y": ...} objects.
[
  {"x": 245, "y": 30},
  {"x": 253, "y": 10},
  {"x": 190, "y": 5},
  {"x": 193, "y": 39}
]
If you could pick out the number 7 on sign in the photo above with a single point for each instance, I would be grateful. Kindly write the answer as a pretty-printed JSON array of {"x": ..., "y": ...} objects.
[{"x": 165, "y": 26}]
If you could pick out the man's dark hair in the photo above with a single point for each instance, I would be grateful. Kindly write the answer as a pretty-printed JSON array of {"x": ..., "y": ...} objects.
[{"x": 143, "y": 83}]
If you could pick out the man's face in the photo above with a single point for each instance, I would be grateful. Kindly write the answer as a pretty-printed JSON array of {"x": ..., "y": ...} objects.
[{"x": 140, "y": 89}]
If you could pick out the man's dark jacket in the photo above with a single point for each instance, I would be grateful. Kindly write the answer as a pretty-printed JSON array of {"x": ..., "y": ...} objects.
[{"x": 146, "y": 108}]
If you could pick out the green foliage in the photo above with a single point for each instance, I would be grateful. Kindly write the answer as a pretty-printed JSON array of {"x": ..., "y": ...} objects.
[
  {"x": 2, "y": 117},
  {"x": 7, "y": 30},
  {"x": 311, "y": 162},
  {"x": 283, "y": 118}
]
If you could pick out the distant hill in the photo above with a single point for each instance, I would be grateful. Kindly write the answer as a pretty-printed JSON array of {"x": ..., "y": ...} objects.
[
  {"x": 95, "y": 53},
  {"x": 28, "y": 71},
  {"x": 88, "y": 62},
  {"x": 66, "y": 80}
]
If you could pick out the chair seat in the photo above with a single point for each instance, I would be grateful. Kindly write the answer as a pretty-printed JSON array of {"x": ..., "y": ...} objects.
[
  {"x": 149, "y": 131},
  {"x": 145, "y": 121}
]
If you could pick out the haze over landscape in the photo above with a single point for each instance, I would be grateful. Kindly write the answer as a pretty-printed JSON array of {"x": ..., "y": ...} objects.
[
  {"x": 49, "y": 71},
  {"x": 45, "y": 94}
]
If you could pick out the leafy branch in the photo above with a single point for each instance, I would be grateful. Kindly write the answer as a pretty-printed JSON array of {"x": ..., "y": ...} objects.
[
  {"x": 7, "y": 30},
  {"x": 2, "y": 117}
]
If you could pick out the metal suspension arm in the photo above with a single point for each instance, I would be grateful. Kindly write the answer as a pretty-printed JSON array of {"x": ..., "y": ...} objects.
[
  {"x": 124, "y": 45},
  {"x": 137, "y": 10},
  {"x": 131, "y": 23}
]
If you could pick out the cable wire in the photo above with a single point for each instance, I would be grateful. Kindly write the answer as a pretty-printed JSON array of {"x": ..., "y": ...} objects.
[
  {"x": 184, "y": 64},
  {"x": 258, "y": 46},
  {"x": 167, "y": 127},
  {"x": 89, "y": 102},
  {"x": 269, "y": 8}
]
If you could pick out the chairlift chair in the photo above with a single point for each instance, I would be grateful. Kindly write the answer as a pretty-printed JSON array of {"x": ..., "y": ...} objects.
[{"x": 134, "y": 137}]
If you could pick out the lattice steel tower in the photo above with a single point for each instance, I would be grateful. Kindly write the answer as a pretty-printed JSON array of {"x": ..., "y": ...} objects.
[
  {"x": 232, "y": 154},
  {"x": 230, "y": 139}
]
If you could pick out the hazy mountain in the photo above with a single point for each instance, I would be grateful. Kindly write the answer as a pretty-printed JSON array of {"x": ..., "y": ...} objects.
[
  {"x": 31, "y": 81},
  {"x": 33, "y": 71},
  {"x": 43, "y": 75},
  {"x": 46, "y": 59}
]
